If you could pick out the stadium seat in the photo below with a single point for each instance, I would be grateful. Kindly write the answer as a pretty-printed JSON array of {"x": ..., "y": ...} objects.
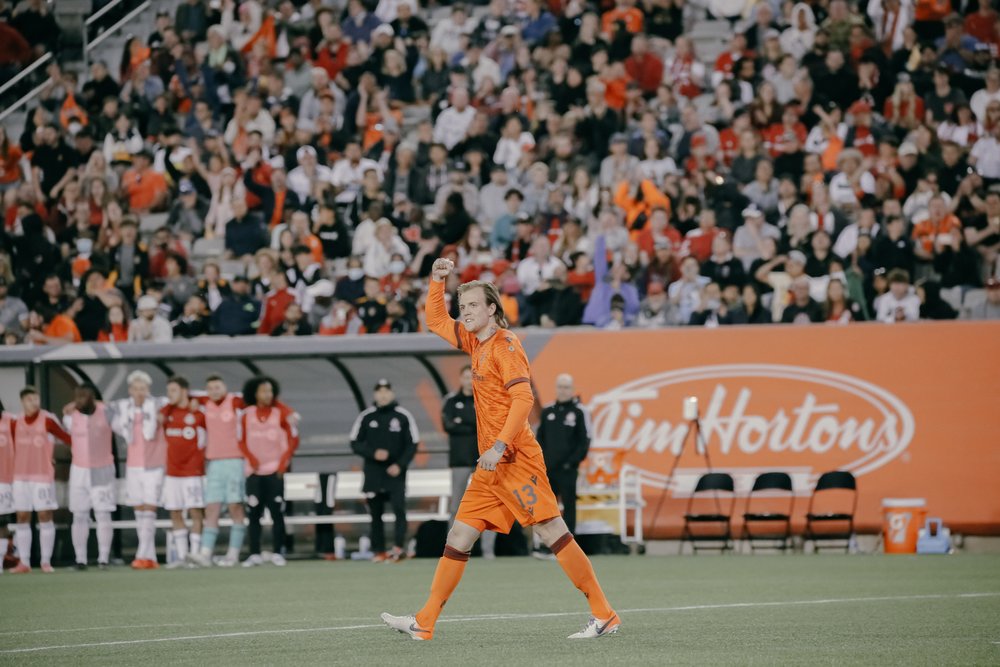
[
  {"x": 150, "y": 222},
  {"x": 768, "y": 515},
  {"x": 974, "y": 299},
  {"x": 208, "y": 248},
  {"x": 828, "y": 518},
  {"x": 302, "y": 487},
  {"x": 707, "y": 509}
]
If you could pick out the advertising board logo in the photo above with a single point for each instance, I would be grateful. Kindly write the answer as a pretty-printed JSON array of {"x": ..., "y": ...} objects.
[{"x": 755, "y": 416}]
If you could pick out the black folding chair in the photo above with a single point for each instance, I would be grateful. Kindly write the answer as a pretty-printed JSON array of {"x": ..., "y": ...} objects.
[
  {"x": 710, "y": 508},
  {"x": 829, "y": 519},
  {"x": 768, "y": 516}
]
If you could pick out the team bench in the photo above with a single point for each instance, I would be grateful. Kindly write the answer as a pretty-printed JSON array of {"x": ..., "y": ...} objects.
[{"x": 343, "y": 496}]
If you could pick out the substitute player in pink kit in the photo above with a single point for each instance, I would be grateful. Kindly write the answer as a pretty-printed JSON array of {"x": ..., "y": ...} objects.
[
  {"x": 135, "y": 419},
  {"x": 34, "y": 484},
  {"x": 92, "y": 476},
  {"x": 225, "y": 476},
  {"x": 268, "y": 439},
  {"x": 183, "y": 425}
]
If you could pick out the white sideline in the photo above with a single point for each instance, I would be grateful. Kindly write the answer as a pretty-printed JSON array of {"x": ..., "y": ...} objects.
[{"x": 494, "y": 617}]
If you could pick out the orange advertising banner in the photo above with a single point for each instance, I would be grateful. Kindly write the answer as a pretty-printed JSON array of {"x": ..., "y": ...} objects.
[{"x": 912, "y": 410}]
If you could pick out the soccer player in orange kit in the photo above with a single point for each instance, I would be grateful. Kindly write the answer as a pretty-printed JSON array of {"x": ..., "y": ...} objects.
[{"x": 510, "y": 482}]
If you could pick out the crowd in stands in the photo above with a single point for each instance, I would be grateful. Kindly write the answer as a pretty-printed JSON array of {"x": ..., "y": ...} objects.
[{"x": 307, "y": 161}]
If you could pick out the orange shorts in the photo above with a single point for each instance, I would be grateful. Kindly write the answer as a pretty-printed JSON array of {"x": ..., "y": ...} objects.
[{"x": 518, "y": 490}]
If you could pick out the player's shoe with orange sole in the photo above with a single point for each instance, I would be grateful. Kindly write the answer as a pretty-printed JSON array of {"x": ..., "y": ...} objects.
[
  {"x": 21, "y": 569},
  {"x": 598, "y": 628},
  {"x": 408, "y": 626}
]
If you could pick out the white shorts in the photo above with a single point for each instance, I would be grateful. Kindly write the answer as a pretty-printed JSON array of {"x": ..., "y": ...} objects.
[
  {"x": 143, "y": 486},
  {"x": 6, "y": 499},
  {"x": 183, "y": 493},
  {"x": 34, "y": 496},
  {"x": 92, "y": 489}
]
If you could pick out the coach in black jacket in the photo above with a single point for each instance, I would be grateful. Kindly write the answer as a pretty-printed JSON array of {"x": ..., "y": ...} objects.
[
  {"x": 386, "y": 436},
  {"x": 564, "y": 434}
]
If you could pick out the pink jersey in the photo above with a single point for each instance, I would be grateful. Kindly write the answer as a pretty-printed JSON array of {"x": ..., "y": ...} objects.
[
  {"x": 221, "y": 420},
  {"x": 6, "y": 449},
  {"x": 92, "y": 439},
  {"x": 143, "y": 453},
  {"x": 33, "y": 447},
  {"x": 266, "y": 440}
]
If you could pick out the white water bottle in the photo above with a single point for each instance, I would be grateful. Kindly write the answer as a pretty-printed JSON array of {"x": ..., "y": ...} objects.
[
  {"x": 339, "y": 547},
  {"x": 364, "y": 545}
]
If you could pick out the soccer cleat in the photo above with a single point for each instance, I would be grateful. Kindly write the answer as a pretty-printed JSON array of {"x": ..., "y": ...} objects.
[
  {"x": 408, "y": 626},
  {"x": 279, "y": 560},
  {"x": 47, "y": 568},
  {"x": 253, "y": 560},
  {"x": 225, "y": 561},
  {"x": 103, "y": 566},
  {"x": 396, "y": 555},
  {"x": 81, "y": 567},
  {"x": 200, "y": 559},
  {"x": 179, "y": 564},
  {"x": 152, "y": 564},
  {"x": 138, "y": 564},
  {"x": 21, "y": 568},
  {"x": 597, "y": 628},
  {"x": 380, "y": 557}
]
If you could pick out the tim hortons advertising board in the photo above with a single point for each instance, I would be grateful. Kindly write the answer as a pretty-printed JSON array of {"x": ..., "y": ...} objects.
[{"x": 913, "y": 411}]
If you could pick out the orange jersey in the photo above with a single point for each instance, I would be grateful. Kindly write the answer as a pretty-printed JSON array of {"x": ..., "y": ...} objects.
[{"x": 498, "y": 364}]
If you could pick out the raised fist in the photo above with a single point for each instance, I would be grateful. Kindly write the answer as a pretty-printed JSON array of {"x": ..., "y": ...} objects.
[{"x": 441, "y": 269}]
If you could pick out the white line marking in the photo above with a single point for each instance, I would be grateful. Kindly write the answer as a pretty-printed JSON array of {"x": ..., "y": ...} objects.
[
  {"x": 49, "y": 631},
  {"x": 494, "y": 617}
]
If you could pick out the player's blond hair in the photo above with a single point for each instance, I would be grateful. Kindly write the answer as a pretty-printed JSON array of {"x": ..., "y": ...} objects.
[{"x": 492, "y": 295}]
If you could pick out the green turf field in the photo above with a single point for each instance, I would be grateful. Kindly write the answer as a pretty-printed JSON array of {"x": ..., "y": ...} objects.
[{"x": 794, "y": 609}]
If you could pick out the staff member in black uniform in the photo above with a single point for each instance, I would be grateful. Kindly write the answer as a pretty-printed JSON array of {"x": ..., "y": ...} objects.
[
  {"x": 458, "y": 414},
  {"x": 386, "y": 436},
  {"x": 564, "y": 434}
]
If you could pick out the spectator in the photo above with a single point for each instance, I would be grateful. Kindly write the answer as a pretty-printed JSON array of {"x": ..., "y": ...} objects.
[
  {"x": 899, "y": 304},
  {"x": 238, "y": 312},
  {"x": 244, "y": 233},
  {"x": 803, "y": 309},
  {"x": 294, "y": 323},
  {"x": 149, "y": 326},
  {"x": 655, "y": 311},
  {"x": 989, "y": 307},
  {"x": 194, "y": 320},
  {"x": 13, "y": 311}
]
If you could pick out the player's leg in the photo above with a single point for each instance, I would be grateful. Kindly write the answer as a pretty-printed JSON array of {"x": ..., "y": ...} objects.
[
  {"x": 376, "y": 506},
  {"x": 236, "y": 534},
  {"x": 46, "y": 539},
  {"x": 22, "y": 540},
  {"x": 194, "y": 503},
  {"x": 215, "y": 492},
  {"x": 276, "y": 506},
  {"x": 555, "y": 534},
  {"x": 256, "y": 508},
  {"x": 80, "y": 506},
  {"x": 103, "y": 500},
  {"x": 6, "y": 510},
  {"x": 397, "y": 498},
  {"x": 179, "y": 534}
]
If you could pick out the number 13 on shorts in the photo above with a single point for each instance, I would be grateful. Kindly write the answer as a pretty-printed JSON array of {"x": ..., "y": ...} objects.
[{"x": 525, "y": 496}]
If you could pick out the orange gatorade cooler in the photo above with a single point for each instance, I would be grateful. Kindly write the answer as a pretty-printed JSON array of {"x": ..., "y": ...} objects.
[{"x": 902, "y": 519}]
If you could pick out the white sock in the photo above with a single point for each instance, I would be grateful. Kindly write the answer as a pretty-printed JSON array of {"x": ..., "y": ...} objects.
[
  {"x": 47, "y": 541},
  {"x": 3, "y": 550},
  {"x": 195, "y": 543},
  {"x": 233, "y": 555},
  {"x": 181, "y": 542},
  {"x": 22, "y": 540},
  {"x": 105, "y": 533},
  {"x": 147, "y": 529},
  {"x": 81, "y": 533}
]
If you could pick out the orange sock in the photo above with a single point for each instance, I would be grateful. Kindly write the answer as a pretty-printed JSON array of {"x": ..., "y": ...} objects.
[
  {"x": 579, "y": 570},
  {"x": 446, "y": 577}
]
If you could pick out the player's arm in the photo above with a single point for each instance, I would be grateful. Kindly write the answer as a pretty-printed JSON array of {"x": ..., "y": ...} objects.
[
  {"x": 359, "y": 437},
  {"x": 412, "y": 436},
  {"x": 438, "y": 319},
  {"x": 512, "y": 365},
  {"x": 242, "y": 432},
  {"x": 581, "y": 437},
  {"x": 292, "y": 433},
  {"x": 53, "y": 428}
]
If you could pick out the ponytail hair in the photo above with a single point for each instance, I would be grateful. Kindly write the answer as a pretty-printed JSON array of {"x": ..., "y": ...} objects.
[{"x": 492, "y": 295}]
